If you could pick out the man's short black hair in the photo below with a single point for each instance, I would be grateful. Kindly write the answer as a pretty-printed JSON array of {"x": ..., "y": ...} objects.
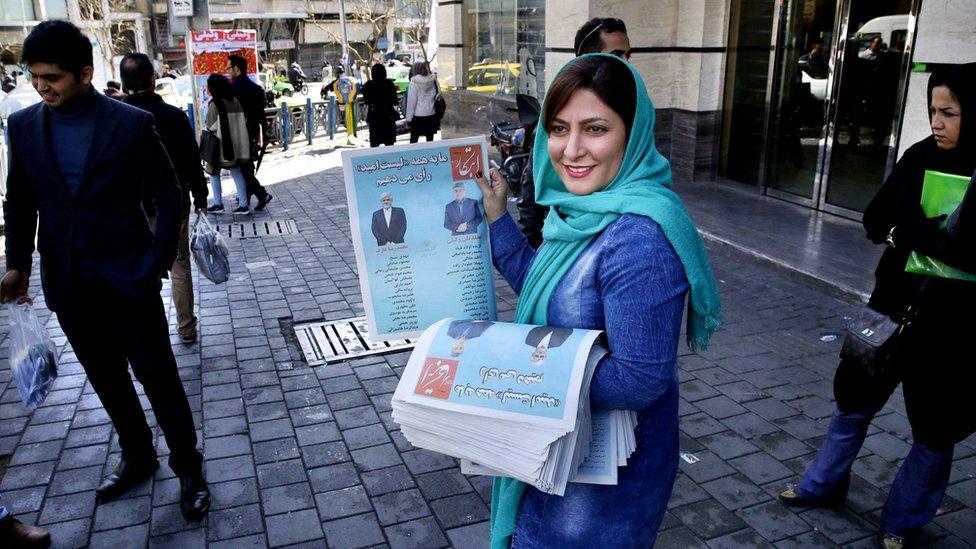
[
  {"x": 59, "y": 43},
  {"x": 137, "y": 72},
  {"x": 239, "y": 62},
  {"x": 589, "y": 37}
]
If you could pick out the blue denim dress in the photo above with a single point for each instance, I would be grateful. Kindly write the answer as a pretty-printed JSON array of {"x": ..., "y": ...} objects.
[{"x": 629, "y": 282}]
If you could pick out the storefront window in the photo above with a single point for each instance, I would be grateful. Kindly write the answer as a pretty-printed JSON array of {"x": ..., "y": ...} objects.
[{"x": 504, "y": 45}]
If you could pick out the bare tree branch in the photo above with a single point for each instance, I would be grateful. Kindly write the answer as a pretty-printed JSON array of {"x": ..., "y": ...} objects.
[
  {"x": 413, "y": 19},
  {"x": 376, "y": 14},
  {"x": 114, "y": 36}
]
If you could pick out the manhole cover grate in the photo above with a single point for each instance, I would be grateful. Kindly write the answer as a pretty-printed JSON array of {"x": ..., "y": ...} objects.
[
  {"x": 324, "y": 342},
  {"x": 258, "y": 229}
]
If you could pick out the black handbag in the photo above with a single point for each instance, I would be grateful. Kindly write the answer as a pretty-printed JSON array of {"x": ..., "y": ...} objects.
[
  {"x": 440, "y": 105},
  {"x": 872, "y": 340},
  {"x": 210, "y": 148}
]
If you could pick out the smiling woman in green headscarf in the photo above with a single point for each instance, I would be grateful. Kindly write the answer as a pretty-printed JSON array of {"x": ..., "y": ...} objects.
[{"x": 620, "y": 254}]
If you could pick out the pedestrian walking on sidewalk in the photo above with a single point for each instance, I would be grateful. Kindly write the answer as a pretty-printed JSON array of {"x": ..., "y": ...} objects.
[
  {"x": 380, "y": 98},
  {"x": 81, "y": 164},
  {"x": 620, "y": 256},
  {"x": 251, "y": 97},
  {"x": 176, "y": 134},
  {"x": 421, "y": 93},
  {"x": 225, "y": 117},
  {"x": 932, "y": 360}
]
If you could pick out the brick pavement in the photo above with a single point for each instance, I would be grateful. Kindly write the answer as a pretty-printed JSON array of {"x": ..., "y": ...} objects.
[{"x": 309, "y": 456}]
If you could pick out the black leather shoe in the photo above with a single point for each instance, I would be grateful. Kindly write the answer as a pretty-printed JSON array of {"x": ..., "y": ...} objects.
[
  {"x": 194, "y": 496},
  {"x": 791, "y": 498},
  {"x": 126, "y": 476},
  {"x": 16, "y": 534},
  {"x": 263, "y": 202}
]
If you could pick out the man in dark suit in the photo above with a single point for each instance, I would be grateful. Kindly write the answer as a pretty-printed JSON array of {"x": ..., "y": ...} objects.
[
  {"x": 389, "y": 223},
  {"x": 251, "y": 97},
  {"x": 174, "y": 130},
  {"x": 462, "y": 215},
  {"x": 543, "y": 338},
  {"x": 81, "y": 164},
  {"x": 463, "y": 330}
]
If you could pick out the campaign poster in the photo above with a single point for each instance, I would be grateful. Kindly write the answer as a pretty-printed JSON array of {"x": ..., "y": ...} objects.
[
  {"x": 420, "y": 234},
  {"x": 501, "y": 370},
  {"x": 209, "y": 52}
]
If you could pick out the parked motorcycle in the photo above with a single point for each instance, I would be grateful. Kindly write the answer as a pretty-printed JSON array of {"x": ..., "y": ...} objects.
[{"x": 514, "y": 142}]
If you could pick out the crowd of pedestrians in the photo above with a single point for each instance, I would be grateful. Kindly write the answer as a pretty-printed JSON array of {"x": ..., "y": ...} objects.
[{"x": 108, "y": 187}]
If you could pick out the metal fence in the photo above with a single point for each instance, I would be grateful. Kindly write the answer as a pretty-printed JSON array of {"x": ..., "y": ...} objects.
[{"x": 291, "y": 124}]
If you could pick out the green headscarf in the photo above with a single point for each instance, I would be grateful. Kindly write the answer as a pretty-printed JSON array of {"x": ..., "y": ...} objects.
[{"x": 641, "y": 187}]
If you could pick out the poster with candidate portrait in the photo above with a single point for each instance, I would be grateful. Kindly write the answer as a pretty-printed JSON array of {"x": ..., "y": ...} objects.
[
  {"x": 500, "y": 370},
  {"x": 420, "y": 234}
]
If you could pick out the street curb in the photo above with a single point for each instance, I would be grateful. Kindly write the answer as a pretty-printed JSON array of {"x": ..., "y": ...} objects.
[{"x": 729, "y": 248}]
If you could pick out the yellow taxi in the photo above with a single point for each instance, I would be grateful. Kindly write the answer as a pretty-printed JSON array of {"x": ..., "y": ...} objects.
[{"x": 493, "y": 77}]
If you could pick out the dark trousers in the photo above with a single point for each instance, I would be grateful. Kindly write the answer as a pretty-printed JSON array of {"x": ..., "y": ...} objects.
[
  {"x": 423, "y": 126},
  {"x": 108, "y": 332},
  {"x": 253, "y": 186},
  {"x": 382, "y": 132}
]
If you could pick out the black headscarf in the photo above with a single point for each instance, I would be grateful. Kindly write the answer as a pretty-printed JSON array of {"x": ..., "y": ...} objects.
[{"x": 961, "y": 81}]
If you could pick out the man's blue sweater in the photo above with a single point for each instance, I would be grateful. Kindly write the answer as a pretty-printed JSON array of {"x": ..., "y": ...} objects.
[{"x": 71, "y": 128}]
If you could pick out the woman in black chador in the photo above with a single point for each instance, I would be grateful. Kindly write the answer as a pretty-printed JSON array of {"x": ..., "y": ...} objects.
[{"x": 934, "y": 357}]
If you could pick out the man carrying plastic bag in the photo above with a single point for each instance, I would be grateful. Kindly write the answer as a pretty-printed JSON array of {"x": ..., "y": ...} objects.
[
  {"x": 31, "y": 355},
  {"x": 210, "y": 251}
]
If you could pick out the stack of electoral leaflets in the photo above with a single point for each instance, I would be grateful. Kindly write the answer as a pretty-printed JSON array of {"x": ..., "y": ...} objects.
[{"x": 512, "y": 400}]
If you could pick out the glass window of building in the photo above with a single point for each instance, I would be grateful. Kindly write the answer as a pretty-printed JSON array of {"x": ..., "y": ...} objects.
[
  {"x": 505, "y": 45},
  {"x": 17, "y": 10},
  {"x": 55, "y": 9}
]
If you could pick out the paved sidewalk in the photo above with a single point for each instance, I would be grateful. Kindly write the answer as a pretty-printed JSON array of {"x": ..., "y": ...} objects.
[{"x": 309, "y": 456}]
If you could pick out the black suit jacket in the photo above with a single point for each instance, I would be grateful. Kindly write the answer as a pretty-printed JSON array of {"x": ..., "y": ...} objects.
[
  {"x": 470, "y": 329},
  {"x": 101, "y": 232},
  {"x": 177, "y": 136},
  {"x": 537, "y": 334},
  {"x": 394, "y": 233},
  {"x": 251, "y": 97}
]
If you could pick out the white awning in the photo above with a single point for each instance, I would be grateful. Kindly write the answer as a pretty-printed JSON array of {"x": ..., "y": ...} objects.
[{"x": 259, "y": 15}]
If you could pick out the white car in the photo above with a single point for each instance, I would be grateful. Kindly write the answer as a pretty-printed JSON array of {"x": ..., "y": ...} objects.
[
  {"x": 176, "y": 91},
  {"x": 22, "y": 96}
]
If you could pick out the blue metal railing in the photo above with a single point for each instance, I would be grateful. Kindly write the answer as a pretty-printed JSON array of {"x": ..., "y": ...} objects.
[
  {"x": 287, "y": 124},
  {"x": 311, "y": 120}
]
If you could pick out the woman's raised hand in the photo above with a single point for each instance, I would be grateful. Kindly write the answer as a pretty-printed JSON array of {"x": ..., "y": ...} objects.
[{"x": 495, "y": 194}]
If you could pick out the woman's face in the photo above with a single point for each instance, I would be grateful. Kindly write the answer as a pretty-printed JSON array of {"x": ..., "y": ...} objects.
[
  {"x": 586, "y": 143},
  {"x": 946, "y": 118}
]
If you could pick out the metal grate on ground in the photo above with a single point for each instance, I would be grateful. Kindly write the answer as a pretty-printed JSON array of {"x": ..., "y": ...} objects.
[
  {"x": 325, "y": 342},
  {"x": 258, "y": 229}
]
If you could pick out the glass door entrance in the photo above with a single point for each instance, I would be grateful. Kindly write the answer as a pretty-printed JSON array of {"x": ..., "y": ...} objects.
[
  {"x": 840, "y": 74},
  {"x": 804, "y": 46}
]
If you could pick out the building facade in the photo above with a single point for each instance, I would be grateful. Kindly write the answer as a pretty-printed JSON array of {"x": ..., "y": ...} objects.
[
  {"x": 115, "y": 27},
  {"x": 810, "y": 101},
  {"x": 308, "y": 32}
]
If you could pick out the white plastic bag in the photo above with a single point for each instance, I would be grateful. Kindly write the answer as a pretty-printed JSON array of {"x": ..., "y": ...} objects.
[
  {"x": 210, "y": 251},
  {"x": 31, "y": 355}
]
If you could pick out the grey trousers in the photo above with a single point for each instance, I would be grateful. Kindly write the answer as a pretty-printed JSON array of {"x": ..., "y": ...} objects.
[{"x": 182, "y": 281}]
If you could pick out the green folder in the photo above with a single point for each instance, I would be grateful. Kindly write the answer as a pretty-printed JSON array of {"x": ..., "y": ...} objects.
[{"x": 941, "y": 194}]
